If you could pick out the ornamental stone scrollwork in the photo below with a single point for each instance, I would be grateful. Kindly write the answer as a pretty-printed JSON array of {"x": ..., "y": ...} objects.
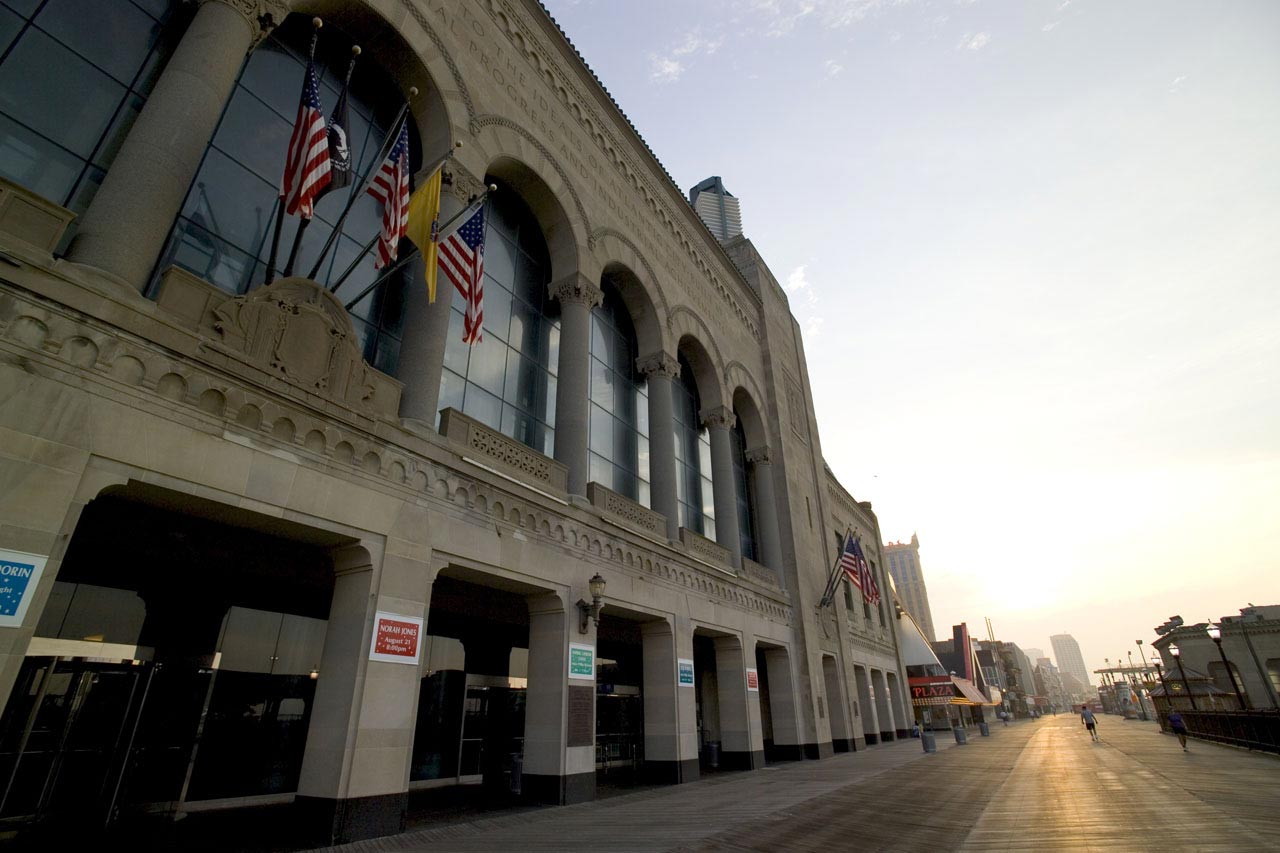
[
  {"x": 719, "y": 417},
  {"x": 658, "y": 364},
  {"x": 263, "y": 16},
  {"x": 460, "y": 183},
  {"x": 576, "y": 289},
  {"x": 761, "y": 455}
]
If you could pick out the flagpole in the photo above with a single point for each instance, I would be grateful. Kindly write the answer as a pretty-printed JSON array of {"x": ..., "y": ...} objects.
[
  {"x": 316, "y": 23},
  {"x": 383, "y": 276},
  {"x": 368, "y": 247},
  {"x": 365, "y": 183}
]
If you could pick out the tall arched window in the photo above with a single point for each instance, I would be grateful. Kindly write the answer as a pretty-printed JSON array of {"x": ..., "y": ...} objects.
[
  {"x": 223, "y": 233},
  {"x": 74, "y": 75},
  {"x": 742, "y": 492},
  {"x": 619, "y": 424},
  {"x": 694, "y": 492},
  {"x": 508, "y": 380}
]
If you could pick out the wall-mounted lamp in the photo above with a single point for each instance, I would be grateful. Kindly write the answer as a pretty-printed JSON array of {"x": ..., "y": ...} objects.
[
  {"x": 591, "y": 611},
  {"x": 315, "y": 673}
]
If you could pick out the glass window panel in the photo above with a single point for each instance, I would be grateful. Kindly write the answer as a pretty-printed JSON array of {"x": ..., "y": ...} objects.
[
  {"x": 553, "y": 348},
  {"x": 499, "y": 258},
  {"x": 233, "y": 203},
  {"x": 642, "y": 458},
  {"x": 642, "y": 410},
  {"x": 549, "y": 405},
  {"x": 119, "y": 129},
  {"x": 624, "y": 482},
  {"x": 86, "y": 190},
  {"x": 10, "y": 24},
  {"x": 387, "y": 354},
  {"x": 451, "y": 386},
  {"x": 254, "y": 135},
  {"x": 155, "y": 8},
  {"x": 603, "y": 392},
  {"x": 101, "y": 614},
  {"x": 456, "y": 353},
  {"x": 497, "y": 311},
  {"x": 483, "y": 406},
  {"x": 601, "y": 431},
  {"x": 526, "y": 329},
  {"x": 23, "y": 7},
  {"x": 344, "y": 252},
  {"x": 624, "y": 444},
  {"x": 195, "y": 249},
  {"x": 488, "y": 365},
  {"x": 170, "y": 35},
  {"x": 36, "y": 163},
  {"x": 275, "y": 76},
  {"x": 116, "y": 41},
  {"x": 643, "y": 497},
  {"x": 601, "y": 471},
  {"x": 365, "y": 334},
  {"x": 391, "y": 295},
  {"x": 56, "y": 93},
  {"x": 503, "y": 219},
  {"x": 601, "y": 336},
  {"x": 300, "y": 646},
  {"x": 704, "y": 452},
  {"x": 530, "y": 280},
  {"x": 708, "y": 527}
]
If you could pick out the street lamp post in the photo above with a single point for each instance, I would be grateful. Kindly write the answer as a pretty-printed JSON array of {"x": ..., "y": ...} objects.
[
  {"x": 1215, "y": 634},
  {"x": 1137, "y": 688},
  {"x": 1156, "y": 662},
  {"x": 1177, "y": 656}
]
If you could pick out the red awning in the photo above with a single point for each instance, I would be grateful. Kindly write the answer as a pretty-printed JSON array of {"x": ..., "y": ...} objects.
[{"x": 969, "y": 691}]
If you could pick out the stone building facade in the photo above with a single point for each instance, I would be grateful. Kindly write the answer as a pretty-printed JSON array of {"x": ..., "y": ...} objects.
[{"x": 295, "y": 543}]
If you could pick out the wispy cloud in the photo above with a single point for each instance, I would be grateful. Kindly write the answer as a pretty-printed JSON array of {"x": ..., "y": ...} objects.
[
  {"x": 975, "y": 42},
  {"x": 833, "y": 67},
  {"x": 664, "y": 69},
  {"x": 1050, "y": 26},
  {"x": 801, "y": 290},
  {"x": 1176, "y": 85},
  {"x": 780, "y": 17}
]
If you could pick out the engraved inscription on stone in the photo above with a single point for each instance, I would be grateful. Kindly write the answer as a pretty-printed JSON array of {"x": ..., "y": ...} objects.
[{"x": 582, "y": 715}]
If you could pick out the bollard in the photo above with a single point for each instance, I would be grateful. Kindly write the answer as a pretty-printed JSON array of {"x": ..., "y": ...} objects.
[
  {"x": 984, "y": 729},
  {"x": 928, "y": 741},
  {"x": 961, "y": 735}
]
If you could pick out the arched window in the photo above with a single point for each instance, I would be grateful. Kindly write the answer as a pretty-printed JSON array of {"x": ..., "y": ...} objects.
[
  {"x": 694, "y": 492},
  {"x": 508, "y": 380},
  {"x": 223, "y": 233},
  {"x": 74, "y": 75},
  {"x": 619, "y": 424},
  {"x": 742, "y": 493}
]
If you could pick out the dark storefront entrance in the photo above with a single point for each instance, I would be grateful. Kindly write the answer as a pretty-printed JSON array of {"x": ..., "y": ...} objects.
[{"x": 173, "y": 667}]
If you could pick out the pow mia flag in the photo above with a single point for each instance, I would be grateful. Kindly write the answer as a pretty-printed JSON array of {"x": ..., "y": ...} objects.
[{"x": 339, "y": 147}]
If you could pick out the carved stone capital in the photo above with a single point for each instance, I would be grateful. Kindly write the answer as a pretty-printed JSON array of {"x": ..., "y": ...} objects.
[
  {"x": 720, "y": 416},
  {"x": 457, "y": 181},
  {"x": 659, "y": 364},
  {"x": 576, "y": 288},
  {"x": 761, "y": 455},
  {"x": 262, "y": 16}
]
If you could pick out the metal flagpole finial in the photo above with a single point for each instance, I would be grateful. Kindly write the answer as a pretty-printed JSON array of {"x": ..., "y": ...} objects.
[
  {"x": 317, "y": 22},
  {"x": 413, "y": 91}
]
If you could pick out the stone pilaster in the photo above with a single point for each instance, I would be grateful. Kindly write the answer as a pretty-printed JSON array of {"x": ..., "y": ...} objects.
[
  {"x": 577, "y": 295},
  {"x": 125, "y": 227},
  {"x": 661, "y": 370}
]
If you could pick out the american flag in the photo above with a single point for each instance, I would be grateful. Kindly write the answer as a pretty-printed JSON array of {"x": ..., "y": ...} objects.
[
  {"x": 849, "y": 561},
  {"x": 391, "y": 187},
  {"x": 306, "y": 167},
  {"x": 870, "y": 588},
  {"x": 462, "y": 262}
]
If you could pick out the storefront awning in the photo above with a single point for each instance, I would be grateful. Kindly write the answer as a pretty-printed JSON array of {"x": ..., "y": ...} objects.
[{"x": 969, "y": 693}]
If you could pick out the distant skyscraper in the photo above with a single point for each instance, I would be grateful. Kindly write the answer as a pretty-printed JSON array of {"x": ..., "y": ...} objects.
[
  {"x": 1034, "y": 654},
  {"x": 1067, "y": 652},
  {"x": 717, "y": 208},
  {"x": 908, "y": 579}
]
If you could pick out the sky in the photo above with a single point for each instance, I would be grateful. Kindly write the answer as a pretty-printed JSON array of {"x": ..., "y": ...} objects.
[{"x": 1034, "y": 248}]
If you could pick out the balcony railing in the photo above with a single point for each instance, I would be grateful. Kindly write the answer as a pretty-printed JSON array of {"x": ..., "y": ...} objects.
[{"x": 1255, "y": 729}]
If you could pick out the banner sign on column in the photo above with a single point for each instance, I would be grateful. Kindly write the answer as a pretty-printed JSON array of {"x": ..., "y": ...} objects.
[
  {"x": 753, "y": 680},
  {"x": 684, "y": 672},
  {"x": 396, "y": 638},
  {"x": 582, "y": 661},
  {"x": 19, "y": 574}
]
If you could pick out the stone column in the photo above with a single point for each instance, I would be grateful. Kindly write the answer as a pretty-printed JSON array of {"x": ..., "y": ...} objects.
[
  {"x": 577, "y": 296},
  {"x": 557, "y": 769},
  {"x": 766, "y": 507},
  {"x": 661, "y": 370},
  {"x": 125, "y": 227},
  {"x": 355, "y": 770},
  {"x": 901, "y": 719},
  {"x": 426, "y": 327},
  {"x": 866, "y": 706},
  {"x": 837, "y": 707},
  {"x": 719, "y": 422},
  {"x": 742, "y": 743},
  {"x": 670, "y": 712},
  {"x": 783, "y": 709}
]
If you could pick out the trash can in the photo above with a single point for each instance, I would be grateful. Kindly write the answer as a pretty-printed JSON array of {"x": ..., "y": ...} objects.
[
  {"x": 713, "y": 754},
  {"x": 961, "y": 735},
  {"x": 928, "y": 741},
  {"x": 984, "y": 729}
]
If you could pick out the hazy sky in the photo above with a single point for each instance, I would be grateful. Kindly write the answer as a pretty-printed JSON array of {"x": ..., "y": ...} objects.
[{"x": 1035, "y": 249}]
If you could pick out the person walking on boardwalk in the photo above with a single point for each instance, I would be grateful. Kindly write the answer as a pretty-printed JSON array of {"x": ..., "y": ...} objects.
[
  {"x": 1090, "y": 722},
  {"x": 1179, "y": 728}
]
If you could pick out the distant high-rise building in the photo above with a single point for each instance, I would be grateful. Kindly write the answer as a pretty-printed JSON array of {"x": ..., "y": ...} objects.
[
  {"x": 1034, "y": 654},
  {"x": 1067, "y": 652},
  {"x": 908, "y": 579},
  {"x": 717, "y": 208}
]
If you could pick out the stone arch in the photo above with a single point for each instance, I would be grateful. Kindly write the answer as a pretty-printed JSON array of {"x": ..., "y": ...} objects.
[
  {"x": 620, "y": 260},
  {"x": 706, "y": 370},
  {"x": 750, "y": 416},
  {"x": 512, "y": 155},
  {"x": 376, "y": 28}
]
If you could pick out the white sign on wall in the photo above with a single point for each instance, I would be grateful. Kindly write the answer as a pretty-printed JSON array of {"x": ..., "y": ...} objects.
[
  {"x": 396, "y": 638},
  {"x": 684, "y": 672},
  {"x": 19, "y": 574}
]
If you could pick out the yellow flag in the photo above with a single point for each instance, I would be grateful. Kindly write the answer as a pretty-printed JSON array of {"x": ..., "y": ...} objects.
[{"x": 423, "y": 227}]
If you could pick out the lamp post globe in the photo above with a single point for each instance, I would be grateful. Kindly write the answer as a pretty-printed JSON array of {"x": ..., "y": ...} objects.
[{"x": 1215, "y": 634}]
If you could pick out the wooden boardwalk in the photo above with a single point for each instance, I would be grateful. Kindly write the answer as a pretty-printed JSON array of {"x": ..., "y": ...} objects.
[{"x": 1039, "y": 785}]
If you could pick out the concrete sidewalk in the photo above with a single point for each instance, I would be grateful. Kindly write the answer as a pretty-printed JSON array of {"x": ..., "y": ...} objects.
[{"x": 1035, "y": 785}]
